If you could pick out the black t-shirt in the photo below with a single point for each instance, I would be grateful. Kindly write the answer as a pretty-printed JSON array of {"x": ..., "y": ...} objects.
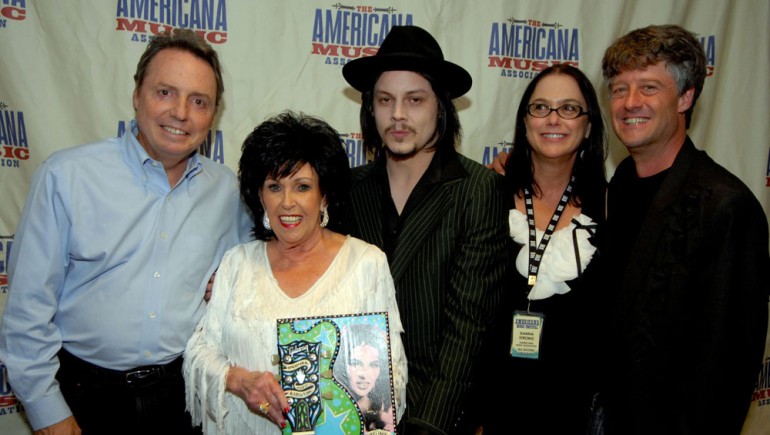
[{"x": 630, "y": 198}]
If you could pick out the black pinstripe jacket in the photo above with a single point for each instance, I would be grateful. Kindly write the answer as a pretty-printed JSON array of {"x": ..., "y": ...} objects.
[{"x": 448, "y": 266}]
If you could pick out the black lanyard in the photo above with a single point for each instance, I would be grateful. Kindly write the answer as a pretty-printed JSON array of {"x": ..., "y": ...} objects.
[{"x": 536, "y": 251}]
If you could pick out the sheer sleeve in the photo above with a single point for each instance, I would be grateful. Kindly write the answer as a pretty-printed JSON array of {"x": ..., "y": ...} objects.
[
  {"x": 205, "y": 365},
  {"x": 386, "y": 295}
]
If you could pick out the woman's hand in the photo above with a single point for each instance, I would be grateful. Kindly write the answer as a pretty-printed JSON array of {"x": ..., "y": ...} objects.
[{"x": 257, "y": 389}]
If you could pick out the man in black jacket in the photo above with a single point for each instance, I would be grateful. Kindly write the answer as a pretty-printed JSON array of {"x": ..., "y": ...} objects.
[
  {"x": 437, "y": 215},
  {"x": 687, "y": 246}
]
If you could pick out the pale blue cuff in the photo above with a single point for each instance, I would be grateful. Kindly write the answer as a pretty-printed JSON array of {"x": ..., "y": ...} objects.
[{"x": 47, "y": 410}]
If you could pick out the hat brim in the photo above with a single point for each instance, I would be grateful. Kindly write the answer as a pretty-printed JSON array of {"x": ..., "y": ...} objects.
[{"x": 361, "y": 73}]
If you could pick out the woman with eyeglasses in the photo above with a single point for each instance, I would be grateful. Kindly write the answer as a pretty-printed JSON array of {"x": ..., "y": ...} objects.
[{"x": 555, "y": 173}]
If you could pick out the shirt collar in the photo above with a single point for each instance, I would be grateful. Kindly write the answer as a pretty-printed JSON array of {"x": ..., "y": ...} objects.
[{"x": 444, "y": 166}]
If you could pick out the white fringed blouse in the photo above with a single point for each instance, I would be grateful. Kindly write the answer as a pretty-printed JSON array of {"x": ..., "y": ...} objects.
[{"x": 239, "y": 327}]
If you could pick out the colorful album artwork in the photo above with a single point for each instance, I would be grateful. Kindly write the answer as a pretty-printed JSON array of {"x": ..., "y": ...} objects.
[{"x": 337, "y": 374}]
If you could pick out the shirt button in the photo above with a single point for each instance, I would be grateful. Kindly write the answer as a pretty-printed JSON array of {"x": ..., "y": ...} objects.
[
  {"x": 156, "y": 275},
  {"x": 153, "y": 314},
  {"x": 163, "y": 235},
  {"x": 147, "y": 353}
]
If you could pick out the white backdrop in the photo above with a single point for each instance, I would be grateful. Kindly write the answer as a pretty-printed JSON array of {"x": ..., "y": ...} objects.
[{"x": 66, "y": 78}]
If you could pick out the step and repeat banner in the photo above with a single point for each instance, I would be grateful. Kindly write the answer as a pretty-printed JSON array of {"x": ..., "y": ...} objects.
[{"x": 66, "y": 69}]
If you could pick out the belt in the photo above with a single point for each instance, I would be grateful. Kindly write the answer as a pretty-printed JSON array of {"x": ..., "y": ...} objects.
[{"x": 135, "y": 378}]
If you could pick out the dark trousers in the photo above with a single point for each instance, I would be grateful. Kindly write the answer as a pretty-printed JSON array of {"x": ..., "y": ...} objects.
[{"x": 145, "y": 400}]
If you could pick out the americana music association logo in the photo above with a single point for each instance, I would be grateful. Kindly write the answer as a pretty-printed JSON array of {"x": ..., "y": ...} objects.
[
  {"x": 345, "y": 32},
  {"x": 143, "y": 18}
]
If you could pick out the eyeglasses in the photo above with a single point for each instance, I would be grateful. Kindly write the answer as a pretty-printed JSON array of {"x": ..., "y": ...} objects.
[{"x": 567, "y": 111}]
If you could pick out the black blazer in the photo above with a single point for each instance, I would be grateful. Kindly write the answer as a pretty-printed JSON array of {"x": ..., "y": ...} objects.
[
  {"x": 689, "y": 313},
  {"x": 448, "y": 268}
]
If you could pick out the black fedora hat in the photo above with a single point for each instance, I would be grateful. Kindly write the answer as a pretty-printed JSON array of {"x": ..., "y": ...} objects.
[{"x": 408, "y": 48}]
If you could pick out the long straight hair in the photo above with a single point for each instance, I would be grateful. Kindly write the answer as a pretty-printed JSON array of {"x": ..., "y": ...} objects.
[
  {"x": 589, "y": 166},
  {"x": 448, "y": 128}
]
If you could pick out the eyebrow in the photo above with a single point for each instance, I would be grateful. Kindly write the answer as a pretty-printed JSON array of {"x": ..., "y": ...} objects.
[
  {"x": 638, "y": 80},
  {"x": 409, "y": 92},
  {"x": 192, "y": 94},
  {"x": 293, "y": 180},
  {"x": 561, "y": 101}
]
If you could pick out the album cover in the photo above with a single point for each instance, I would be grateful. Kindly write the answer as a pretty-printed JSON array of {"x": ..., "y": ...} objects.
[{"x": 337, "y": 374}]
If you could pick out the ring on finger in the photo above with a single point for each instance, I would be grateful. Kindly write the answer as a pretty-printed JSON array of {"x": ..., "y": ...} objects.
[{"x": 264, "y": 408}]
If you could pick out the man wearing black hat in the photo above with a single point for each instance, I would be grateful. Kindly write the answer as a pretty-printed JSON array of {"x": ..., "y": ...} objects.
[{"x": 438, "y": 216}]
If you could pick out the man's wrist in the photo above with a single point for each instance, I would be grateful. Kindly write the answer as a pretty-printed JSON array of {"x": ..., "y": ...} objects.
[{"x": 47, "y": 411}]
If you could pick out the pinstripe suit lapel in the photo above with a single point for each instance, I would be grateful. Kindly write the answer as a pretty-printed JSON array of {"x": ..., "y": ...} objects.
[
  {"x": 419, "y": 226},
  {"x": 367, "y": 210}
]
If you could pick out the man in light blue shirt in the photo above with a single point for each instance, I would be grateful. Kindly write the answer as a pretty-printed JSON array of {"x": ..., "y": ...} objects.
[{"x": 113, "y": 253}]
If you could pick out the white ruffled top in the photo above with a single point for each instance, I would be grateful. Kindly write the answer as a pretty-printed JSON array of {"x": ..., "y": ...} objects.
[{"x": 558, "y": 264}]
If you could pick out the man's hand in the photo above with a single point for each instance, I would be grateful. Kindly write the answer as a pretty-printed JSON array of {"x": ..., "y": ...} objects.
[
  {"x": 68, "y": 426},
  {"x": 498, "y": 164},
  {"x": 209, "y": 286}
]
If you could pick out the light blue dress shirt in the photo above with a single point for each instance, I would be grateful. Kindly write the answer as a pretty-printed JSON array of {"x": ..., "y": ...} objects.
[{"x": 111, "y": 263}]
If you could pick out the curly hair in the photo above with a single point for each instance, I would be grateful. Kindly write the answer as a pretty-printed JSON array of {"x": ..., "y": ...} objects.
[
  {"x": 278, "y": 148},
  {"x": 679, "y": 48}
]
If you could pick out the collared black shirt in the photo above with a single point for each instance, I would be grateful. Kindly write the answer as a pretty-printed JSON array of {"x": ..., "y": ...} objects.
[{"x": 444, "y": 166}]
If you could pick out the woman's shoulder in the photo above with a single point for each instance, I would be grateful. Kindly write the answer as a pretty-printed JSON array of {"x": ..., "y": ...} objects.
[
  {"x": 362, "y": 261},
  {"x": 362, "y": 249},
  {"x": 243, "y": 252}
]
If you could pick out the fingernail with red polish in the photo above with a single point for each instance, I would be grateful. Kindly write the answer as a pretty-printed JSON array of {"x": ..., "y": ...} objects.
[
  {"x": 286, "y": 410},
  {"x": 283, "y": 425}
]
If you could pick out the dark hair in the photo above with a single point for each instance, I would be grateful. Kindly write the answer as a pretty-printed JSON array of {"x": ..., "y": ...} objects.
[
  {"x": 279, "y": 147},
  {"x": 448, "y": 128},
  {"x": 589, "y": 166},
  {"x": 185, "y": 40},
  {"x": 681, "y": 51},
  {"x": 352, "y": 337}
]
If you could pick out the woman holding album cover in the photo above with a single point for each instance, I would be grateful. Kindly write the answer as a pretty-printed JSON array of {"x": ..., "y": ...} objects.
[{"x": 294, "y": 178}]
